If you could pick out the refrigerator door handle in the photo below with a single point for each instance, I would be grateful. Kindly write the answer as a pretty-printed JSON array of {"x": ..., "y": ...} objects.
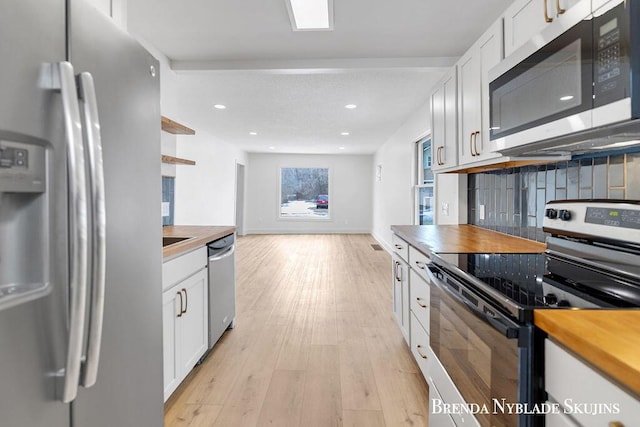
[
  {"x": 98, "y": 250},
  {"x": 78, "y": 230}
]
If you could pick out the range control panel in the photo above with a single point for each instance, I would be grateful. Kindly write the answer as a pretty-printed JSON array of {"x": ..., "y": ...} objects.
[
  {"x": 601, "y": 219},
  {"x": 22, "y": 167}
]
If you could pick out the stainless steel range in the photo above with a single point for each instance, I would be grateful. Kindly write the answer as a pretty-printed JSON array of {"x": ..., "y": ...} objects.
[{"x": 482, "y": 303}]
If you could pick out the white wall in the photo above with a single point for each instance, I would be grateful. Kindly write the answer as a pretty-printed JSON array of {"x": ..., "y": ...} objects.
[
  {"x": 350, "y": 191},
  {"x": 204, "y": 193},
  {"x": 393, "y": 197}
]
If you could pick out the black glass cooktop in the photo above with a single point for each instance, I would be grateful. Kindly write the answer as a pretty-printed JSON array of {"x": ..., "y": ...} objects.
[
  {"x": 516, "y": 276},
  {"x": 535, "y": 280}
]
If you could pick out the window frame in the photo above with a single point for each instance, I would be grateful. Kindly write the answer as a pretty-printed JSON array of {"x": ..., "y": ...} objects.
[
  {"x": 419, "y": 181},
  {"x": 310, "y": 218}
]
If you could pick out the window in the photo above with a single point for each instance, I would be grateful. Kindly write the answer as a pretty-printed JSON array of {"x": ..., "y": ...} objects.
[
  {"x": 424, "y": 190},
  {"x": 304, "y": 193}
]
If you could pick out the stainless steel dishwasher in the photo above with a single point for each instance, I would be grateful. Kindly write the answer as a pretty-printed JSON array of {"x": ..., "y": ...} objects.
[{"x": 222, "y": 287}]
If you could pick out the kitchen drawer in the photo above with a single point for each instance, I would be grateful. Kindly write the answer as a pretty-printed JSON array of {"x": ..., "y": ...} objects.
[
  {"x": 180, "y": 268},
  {"x": 420, "y": 345},
  {"x": 419, "y": 291},
  {"x": 558, "y": 420},
  {"x": 570, "y": 382},
  {"x": 437, "y": 416},
  {"x": 400, "y": 247},
  {"x": 418, "y": 262}
]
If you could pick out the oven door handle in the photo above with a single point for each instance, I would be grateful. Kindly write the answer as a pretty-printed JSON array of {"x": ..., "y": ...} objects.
[{"x": 503, "y": 325}]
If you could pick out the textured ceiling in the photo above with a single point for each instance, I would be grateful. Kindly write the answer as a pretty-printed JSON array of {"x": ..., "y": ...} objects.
[{"x": 291, "y": 87}]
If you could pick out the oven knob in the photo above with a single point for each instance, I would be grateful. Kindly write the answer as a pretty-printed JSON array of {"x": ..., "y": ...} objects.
[
  {"x": 564, "y": 215},
  {"x": 564, "y": 303},
  {"x": 550, "y": 299},
  {"x": 551, "y": 213}
]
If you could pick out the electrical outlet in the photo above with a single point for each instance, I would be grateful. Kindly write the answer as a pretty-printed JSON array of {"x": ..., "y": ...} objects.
[{"x": 481, "y": 212}]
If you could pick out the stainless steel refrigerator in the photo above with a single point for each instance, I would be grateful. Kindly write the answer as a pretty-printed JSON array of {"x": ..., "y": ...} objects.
[{"x": 80, "y": 221}]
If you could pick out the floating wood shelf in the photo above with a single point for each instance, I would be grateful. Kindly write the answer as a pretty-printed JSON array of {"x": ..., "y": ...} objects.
[
  {"x": 175, "y": 128},
  {"x": 176, "y": 160}
]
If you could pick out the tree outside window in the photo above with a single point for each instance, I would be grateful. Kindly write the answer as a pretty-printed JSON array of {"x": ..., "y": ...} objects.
[{"x": 304, "y": 193}]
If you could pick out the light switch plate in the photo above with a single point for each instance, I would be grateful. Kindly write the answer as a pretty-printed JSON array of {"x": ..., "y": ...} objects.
[
  {"x": 166, "y": 208},
  {"x": 481, "y": 212}
]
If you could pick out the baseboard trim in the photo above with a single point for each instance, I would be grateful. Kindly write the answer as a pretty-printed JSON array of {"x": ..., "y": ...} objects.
[{"x": 383, "y": 243}]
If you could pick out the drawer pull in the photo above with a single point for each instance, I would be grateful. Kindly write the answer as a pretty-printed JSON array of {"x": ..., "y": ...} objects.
[
  {"x": 419, "y": 303},
  {"x": 559, "y": 9},
  {"x": 418, "y": 347},
  {"x": 420, "y": 265},
  {"x": 616, "y": 424},
  {"x": 397, "y": 246}
]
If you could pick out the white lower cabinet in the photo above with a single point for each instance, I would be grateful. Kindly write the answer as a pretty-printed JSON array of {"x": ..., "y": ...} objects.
[
  {"x": 437, "y": 416},
  {"x": 420, "y": 345},
  {"x": 400, "y": 273},
  {"x": 584, "y": 394},
  {"x": 184, "y": 323}
]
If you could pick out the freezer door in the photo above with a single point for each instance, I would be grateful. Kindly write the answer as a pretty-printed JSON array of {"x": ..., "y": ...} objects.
[
  {"x": 33, "y": 218},
  {"x": 128, "y": 390}
]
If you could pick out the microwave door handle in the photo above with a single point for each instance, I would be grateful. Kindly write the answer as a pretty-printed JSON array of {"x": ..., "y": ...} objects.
[
  {"x": 78, "y": 230},
  {"x": 99, "y": 247}
]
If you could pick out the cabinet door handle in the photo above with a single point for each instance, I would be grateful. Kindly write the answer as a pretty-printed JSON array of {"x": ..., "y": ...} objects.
[
  {"x": 559, "y": 9},
  {"x": 419, "y": 303},
  {"x": 440, "y": 150},
  {"x": 475, "y": 142},
  {"x": 418, "y": 347},
  {"x": 186, "y": 301},
  {"x": 471, "y": 143},
  {"x": 547, "y": 19},
  {"x": 181, "y": 309}
]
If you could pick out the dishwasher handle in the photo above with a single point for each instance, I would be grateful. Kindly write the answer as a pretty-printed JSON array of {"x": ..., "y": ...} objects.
[{"x": 224, "y": 254}]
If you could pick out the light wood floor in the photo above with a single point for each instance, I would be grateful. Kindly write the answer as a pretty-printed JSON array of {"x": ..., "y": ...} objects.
[{"x": 315, "y": 343}]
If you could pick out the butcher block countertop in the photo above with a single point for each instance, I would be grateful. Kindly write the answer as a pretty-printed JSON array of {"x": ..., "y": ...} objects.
[
  {"x": 463, "y": 238},
  {"x": 608, "y": 339},
  {"x": 198, "y": 236}
]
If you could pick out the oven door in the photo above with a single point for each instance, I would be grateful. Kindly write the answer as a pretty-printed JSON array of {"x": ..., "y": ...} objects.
[
  {"x": 477, "y": 346},
  {"x": 546, "y": 95}
]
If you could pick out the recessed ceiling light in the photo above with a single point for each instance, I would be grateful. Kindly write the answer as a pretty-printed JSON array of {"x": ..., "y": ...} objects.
[
  {"x": 220, "y": 106},
  {"x": 340, "y": 148},
  {"x": 272, "y": 148},
  {"x": 253, "y": 133},
  {"x": 566, "y": 98},
  {"x": 350, "y": 106},
  {"x": 345, "y": 134},
  {"x": 311, "y": 14}
]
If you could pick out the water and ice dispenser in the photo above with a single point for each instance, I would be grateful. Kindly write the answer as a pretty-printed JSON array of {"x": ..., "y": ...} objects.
[{"x": 24, "y": 223}]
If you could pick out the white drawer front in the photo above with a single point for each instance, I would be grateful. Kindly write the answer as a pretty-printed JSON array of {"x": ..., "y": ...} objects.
[
  {"x": 576, "y": 386},
  {"x": 173, "y": 271},
  {"x": 420, "y": 345},
  {"x": 437, "y": 415},
  {"x": 419, "y": 261},
  {"x": 400, "y": 247},
  {"x": 419, "y": 291}
]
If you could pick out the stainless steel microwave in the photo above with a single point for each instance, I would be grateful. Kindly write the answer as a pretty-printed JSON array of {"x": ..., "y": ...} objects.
[{"x": 584, "y": 78}]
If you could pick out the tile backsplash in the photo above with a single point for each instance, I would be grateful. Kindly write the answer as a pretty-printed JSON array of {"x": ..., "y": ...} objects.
[
  {"x": 514, "y": 198},
  {"x": 168, "y": 185}
]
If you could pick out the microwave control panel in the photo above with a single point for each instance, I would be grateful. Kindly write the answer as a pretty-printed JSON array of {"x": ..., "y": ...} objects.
[
  {"x": 22, "y": 167},
  {"x": 611, "y": 61}
]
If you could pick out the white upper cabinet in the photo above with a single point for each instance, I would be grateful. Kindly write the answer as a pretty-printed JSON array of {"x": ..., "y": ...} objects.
[
  {"x": 473, "y": 96},
  {"x": 444, "y": 123},
  {"x": 525, "y": 18}
]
